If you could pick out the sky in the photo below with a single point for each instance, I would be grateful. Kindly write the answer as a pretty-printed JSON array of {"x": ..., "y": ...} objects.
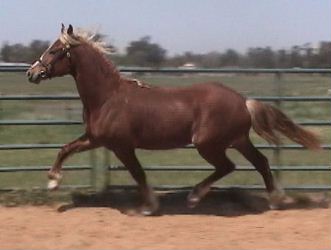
[{"x": 199, "y": 26}]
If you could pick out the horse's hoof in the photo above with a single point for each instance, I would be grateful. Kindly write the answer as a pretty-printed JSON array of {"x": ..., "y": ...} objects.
[
  {"x": 65, "y": 207},
  {"x": 192, "y": 200},
  {"x": 146, "y": 212},
  {"x": 140, "y": 212},
  {"x": 274, "y": 206},
  {"x": 53, "y": 185},
  {"x": 149, "y": 210},
  {"x": 276, "y": 200}
]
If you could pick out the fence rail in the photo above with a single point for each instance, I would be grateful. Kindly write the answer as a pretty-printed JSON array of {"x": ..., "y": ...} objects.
[
  {"x": 277, "y": 99},
  {"x": 198, "y": 70}
]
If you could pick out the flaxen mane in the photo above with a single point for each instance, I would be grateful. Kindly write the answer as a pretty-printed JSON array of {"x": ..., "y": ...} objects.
[{"x": 84, "y": 36}]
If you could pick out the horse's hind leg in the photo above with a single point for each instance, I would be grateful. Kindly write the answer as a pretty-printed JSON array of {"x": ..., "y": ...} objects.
[
  {"x": 129, "y": 159},
  {"x": 260, "y": 162},
  {"x": 223, "y": 166}
]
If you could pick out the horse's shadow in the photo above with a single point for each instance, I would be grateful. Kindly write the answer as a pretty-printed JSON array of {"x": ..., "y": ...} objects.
[{"x": 227, "y": 203}]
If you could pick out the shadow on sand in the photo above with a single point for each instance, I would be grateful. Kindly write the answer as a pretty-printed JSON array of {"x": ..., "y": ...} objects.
[{"x": 227, "y": 203}]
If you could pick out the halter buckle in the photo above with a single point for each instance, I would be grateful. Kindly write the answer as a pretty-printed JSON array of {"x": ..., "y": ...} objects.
[{"x": 66, "y": 49}]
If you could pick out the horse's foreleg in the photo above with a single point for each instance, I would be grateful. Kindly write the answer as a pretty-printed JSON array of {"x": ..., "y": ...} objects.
[
  {"x": 79, "y": 145},
  {"x": 129, "y": 159}
]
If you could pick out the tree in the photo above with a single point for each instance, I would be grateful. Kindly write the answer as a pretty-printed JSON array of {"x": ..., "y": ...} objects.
[
  {"x": 5, "y": 52},
  {"x": 21, "y": 53},
  {"x": 261, "y": 57},
  {"x": 230, "y": 58},
  {"x": 295, "y": 56},
  {"x": 145, "y": 53},
  {"x": 36, "y": 48},
  {"x": 211, "y": 59},
  {"x": 282, "y": 59},
  {"x": 324, "y": 54},
  {"x": 14, "y": 53}
]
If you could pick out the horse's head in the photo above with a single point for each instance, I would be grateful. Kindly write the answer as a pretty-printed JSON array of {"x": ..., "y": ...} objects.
[{"x": 55, "y": 61}]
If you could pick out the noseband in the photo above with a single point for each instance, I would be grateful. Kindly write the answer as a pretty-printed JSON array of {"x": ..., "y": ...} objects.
[{"x": 58, "y": 54}]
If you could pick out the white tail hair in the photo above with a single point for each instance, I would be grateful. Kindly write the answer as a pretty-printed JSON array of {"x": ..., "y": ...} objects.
[{"x": 267, "y": 121}]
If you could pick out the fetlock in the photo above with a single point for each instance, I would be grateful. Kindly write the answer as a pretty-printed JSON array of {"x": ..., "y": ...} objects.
[
  {"x": 193, "y": 199},
  {"x": 54, "y": 175}
]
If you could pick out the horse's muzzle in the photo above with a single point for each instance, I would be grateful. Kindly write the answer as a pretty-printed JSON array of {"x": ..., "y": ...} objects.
[{"x": 36, "y": 77}]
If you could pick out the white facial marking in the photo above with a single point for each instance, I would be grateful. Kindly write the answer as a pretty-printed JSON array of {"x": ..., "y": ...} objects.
[
  {"x": 41, "y": 57},
  {"x": 35, "y": 64}
]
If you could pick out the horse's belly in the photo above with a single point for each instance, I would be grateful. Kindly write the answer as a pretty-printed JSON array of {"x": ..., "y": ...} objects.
[
  {"x": 153, "y": 146},
  {"x": 163, "y": 139},
  {"x": 170, "y": 145}
]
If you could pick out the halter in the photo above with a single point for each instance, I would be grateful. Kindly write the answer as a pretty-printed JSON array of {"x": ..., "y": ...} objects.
[{"x": 58, "y": 54}]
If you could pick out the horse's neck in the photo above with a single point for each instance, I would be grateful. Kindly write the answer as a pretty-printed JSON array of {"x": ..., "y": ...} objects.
[{"x": 96, "y": 79}]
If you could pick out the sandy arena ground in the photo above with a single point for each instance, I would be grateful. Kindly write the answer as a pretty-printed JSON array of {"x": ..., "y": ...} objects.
[{"x": 219, "y": 222}]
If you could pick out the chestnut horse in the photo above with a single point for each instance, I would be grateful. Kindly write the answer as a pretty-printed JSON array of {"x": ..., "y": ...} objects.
[{"x": 123, "y": 114}]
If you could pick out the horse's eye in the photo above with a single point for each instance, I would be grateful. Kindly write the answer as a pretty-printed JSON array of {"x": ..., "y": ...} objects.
[{"x": 52, "y": 52}]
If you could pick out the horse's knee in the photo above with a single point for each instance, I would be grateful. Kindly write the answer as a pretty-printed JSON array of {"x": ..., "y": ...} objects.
[{"x": 65, "y": 150}]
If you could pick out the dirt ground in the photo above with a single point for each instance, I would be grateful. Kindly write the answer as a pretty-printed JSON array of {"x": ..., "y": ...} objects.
[{"x": 223, "y": 220}]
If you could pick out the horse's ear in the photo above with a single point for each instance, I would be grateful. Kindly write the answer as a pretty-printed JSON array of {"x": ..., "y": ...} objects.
[
  {"x": 62, "y": 28},
  {"x": 70, "y": 30}
]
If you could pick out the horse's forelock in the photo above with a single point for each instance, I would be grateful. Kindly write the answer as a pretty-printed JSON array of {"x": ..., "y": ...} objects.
[{"x": 69, "y": 40}]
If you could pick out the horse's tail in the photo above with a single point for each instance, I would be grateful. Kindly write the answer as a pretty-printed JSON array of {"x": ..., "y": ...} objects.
[{"x": 266, "y": 120}]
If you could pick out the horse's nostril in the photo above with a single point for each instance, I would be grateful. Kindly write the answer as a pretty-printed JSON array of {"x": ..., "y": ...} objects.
[{"x": 43, "y": 74}]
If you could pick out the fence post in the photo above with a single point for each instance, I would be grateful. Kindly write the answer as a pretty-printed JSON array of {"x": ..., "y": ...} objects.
[
  {"x": 93, "y": 173},
  {"x": 278, "y": 102},
  {"x": 106, "y": 164}
]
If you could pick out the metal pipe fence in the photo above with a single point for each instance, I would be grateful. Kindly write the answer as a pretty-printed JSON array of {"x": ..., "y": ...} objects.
[{"x": 278, "y": 99}]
